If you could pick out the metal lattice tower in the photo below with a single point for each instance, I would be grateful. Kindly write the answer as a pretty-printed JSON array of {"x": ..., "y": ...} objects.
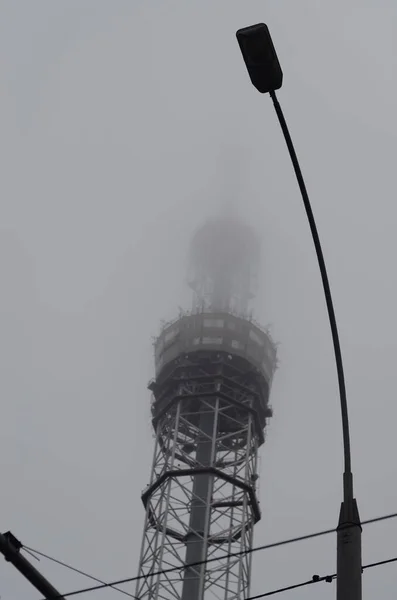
[{"x": 214, "y": 370}]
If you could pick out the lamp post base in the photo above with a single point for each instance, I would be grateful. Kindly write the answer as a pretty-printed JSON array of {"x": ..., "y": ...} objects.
[{"x": 348, "y": 580}]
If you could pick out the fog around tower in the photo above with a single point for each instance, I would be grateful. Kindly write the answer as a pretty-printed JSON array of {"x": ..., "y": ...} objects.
[
  {"x": 122, "y": 125},
  {"x": 224, "y": 263}
]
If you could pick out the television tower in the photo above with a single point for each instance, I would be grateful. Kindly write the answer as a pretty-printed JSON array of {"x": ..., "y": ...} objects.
[{"x": 210, "y": 404}]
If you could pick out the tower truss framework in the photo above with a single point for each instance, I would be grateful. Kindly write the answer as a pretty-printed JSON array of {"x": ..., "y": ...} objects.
[{"x": 210, "y": 406}]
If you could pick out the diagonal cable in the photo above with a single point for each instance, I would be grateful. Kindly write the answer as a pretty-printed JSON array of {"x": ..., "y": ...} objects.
[{"x": 63, "y": 564}]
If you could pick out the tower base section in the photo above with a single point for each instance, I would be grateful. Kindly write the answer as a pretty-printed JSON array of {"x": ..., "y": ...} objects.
[{"x": 209, "y": 412}]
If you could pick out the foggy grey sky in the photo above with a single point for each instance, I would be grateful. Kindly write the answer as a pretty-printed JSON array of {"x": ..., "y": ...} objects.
[{"x": 118, "y": 119}]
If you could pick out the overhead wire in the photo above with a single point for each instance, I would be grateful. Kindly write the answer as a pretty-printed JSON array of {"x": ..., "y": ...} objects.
[
  {"x": 301, "y": 538},
  {"x": 197, "y": 563},
  {"x": 314, "y": 579},
  {"x": 33, "y": 552},
  {"x": 294, "y": 586},
  {"x": 317, "y": 579}
]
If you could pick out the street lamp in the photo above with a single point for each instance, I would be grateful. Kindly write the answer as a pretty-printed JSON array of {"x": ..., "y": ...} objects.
[{"x": 266, "y": 75}]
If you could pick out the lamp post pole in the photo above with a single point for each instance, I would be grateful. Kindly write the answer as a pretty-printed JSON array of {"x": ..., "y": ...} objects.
[
  {"x": 266, "y": 75},
  {"x": 10, "y": 547}
]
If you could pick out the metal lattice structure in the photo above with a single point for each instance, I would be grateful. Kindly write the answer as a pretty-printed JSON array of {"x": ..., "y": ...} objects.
[{"x": 209, "y": 409}]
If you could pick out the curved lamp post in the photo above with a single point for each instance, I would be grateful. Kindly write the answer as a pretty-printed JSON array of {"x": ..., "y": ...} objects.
[{"x": 266, "y": 75}]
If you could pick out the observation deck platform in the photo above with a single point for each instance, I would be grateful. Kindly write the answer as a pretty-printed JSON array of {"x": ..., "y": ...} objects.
[{"x": 218, "y": 332}]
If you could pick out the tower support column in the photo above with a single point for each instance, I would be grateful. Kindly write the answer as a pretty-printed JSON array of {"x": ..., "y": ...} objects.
[{"x": 197, "y": 537}]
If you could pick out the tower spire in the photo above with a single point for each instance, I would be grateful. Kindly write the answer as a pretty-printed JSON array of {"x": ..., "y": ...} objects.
[{"x": 224, "y": 262}]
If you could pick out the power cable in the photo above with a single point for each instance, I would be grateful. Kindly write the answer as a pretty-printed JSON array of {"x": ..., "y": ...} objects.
[
  {"x": 197, "y": 563},
  {"x": 380, "y": 563},
  {"x": 317, "y": 579},
  {"x": 314, "y": 579},
  {"x": 236, "y": 554},
  {"x": 33, "y": 552}
]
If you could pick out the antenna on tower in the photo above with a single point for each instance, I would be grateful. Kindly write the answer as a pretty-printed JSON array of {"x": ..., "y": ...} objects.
[{"x": 224, "y": 263}]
